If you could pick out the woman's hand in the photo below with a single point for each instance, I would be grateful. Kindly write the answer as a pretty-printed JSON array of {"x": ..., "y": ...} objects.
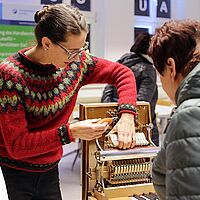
[
  {"x": 125, "y": 128},
  {"x": 88, "y": 129}
]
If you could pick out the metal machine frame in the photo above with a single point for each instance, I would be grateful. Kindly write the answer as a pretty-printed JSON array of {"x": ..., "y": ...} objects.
[{"x": 98, "y": 164}]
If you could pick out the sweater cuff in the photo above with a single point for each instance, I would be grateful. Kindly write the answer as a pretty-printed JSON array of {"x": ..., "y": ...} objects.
[
  {"x": 64, "y": 134},
  {"x": 127, "y": 108}
]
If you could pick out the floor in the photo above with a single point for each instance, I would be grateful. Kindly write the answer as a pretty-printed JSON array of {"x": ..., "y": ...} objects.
[{"x": 70, "y": 179}]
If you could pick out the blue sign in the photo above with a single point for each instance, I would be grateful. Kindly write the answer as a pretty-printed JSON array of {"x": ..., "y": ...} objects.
[
  {"x": 51, "y": 1},
  {"x": 0, "y": 10},
  {"x": 81, "y": 4},
  {"x": 142, "y": 7},
  {"x": 164, "y": 9},
  {"x": 17, "y": 22}
]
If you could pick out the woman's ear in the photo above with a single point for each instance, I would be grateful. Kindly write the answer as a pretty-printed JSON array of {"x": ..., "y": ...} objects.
[
  {"x": 172, "y": 67},
  {"x": 46, "y": 43}
]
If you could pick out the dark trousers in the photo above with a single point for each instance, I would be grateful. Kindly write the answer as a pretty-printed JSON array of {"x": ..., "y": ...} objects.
[{"x": 22, "y": 185}]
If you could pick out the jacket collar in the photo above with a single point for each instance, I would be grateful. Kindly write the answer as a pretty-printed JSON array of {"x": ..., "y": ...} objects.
[{"x": 189, "y": 87}]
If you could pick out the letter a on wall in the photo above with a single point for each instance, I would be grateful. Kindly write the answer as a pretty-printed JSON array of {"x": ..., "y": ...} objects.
[
  {"x": 142, "y": 7},
  {"x": 164, "y": 9}
]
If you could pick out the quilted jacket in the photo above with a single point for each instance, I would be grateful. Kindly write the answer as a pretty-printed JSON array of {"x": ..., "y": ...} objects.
[{"x": 176, "y": 169}]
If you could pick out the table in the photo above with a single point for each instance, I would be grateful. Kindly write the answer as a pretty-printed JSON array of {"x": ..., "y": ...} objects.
[{"x": 163, "y": 114}]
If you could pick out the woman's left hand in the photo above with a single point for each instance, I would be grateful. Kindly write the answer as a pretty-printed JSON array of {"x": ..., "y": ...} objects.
[{"x": 125, "y": 128}]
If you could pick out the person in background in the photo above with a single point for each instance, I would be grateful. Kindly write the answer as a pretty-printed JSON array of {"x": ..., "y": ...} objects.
[
  {"x": 175, "y": 50},
  {"x": 141, "y": 65},
  {"x": 38, "y": 91}
]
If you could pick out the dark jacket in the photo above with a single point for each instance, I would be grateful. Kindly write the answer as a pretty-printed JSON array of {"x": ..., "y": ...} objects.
[
  {"x": 145, "y": 76},
  {"x": 176, "y": 169}
]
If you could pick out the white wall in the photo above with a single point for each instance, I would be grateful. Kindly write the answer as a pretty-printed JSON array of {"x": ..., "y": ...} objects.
[
  {"x": 112, "y": 31},
  {"x": 186, "y": 9},
  {"x": 111, "y": 36}
]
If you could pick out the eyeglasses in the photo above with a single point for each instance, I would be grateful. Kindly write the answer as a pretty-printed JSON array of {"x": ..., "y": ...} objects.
[{"x": 73, "y": 54}]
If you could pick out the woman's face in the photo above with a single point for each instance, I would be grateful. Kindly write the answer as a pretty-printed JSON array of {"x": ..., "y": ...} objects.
[
  {"x": 167, "y": 85},
  {"x": 62, "y": 53}
]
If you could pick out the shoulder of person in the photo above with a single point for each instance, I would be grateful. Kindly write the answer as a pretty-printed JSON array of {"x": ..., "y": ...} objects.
[
  {"x": 146, "y": 58},
  {"x": 129, "y": 59}
]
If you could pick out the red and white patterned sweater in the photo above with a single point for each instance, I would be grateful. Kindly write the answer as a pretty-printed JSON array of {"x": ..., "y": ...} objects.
[{"x": 36, "y": 99}]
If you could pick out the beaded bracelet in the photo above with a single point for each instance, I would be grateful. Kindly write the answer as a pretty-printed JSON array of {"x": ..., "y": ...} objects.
[
  {"x": 127, "y": 107},
  {"x": 63, "y": 133}
]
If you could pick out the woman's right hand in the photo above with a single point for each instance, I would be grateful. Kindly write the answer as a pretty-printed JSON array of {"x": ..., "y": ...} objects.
[{"x": 88, "y": 129}]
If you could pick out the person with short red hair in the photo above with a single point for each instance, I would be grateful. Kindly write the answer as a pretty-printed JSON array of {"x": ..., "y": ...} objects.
[{"x": 175, "y": 50}]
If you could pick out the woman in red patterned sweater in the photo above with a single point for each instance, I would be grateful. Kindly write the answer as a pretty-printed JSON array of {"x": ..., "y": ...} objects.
[{"x": 38, "y": 91}]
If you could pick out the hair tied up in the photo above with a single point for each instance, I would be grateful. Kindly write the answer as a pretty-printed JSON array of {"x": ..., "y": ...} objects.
[
  {"x": 37, "y": 17},
  {"x": 40, "y": 13}
]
